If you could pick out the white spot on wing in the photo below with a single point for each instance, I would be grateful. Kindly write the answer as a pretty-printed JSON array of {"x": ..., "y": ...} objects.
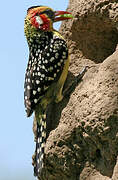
[
  {"x": 57, "y": 55},
  {"x": 51, "y": 68},
  {"x": 50, "y": 78},
  {"x": 52, "y": 59},
  {"x": 35, "y": 100},
  {"x": 59, "y": 64},
  {"x": 28, "y": 87},
  {"x": 25, "y": 97},
  {"x": 55, "y": 75},
  {"x": 39, "y": 73},
  {"x": 43, "y": 67},
  {"x": 46, "y": 61},
  {"x": 38, "y": 151},
  {"x": 43, "y": 75},
  {"x": 28, "y": 80},
  {"x": 37, "y": 81},
  {"x": 34, "y": 92},
  {"x": 38, "y": 89}
]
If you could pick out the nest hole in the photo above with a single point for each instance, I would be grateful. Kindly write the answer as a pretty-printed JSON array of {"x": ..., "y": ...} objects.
[{"x": 95, "y": 37}]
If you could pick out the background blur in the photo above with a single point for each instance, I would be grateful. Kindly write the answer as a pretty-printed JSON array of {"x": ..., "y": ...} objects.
[{"x": 16, "y": 136}]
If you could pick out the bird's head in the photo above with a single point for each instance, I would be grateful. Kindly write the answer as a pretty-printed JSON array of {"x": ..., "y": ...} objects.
[{"x": 41, "y": 18}]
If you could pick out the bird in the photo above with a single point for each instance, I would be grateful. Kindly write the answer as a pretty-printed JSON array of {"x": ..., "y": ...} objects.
[{"x": 46, "y": 70}]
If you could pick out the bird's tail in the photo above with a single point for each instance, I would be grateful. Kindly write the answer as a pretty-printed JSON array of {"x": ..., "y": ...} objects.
[{"x": 40, "y": 144}]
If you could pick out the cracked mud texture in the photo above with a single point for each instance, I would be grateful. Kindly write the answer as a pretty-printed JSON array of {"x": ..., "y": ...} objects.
[{"x": 82, "y": 141}]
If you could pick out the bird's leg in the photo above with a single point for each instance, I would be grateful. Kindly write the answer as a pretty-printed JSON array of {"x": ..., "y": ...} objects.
[{"x": 67, "y": 92}]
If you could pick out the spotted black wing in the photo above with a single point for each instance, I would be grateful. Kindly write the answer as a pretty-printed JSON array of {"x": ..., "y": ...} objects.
[{"x": 44, "y": 67}]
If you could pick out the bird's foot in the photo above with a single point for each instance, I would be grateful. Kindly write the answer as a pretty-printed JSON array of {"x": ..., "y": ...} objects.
[{"x": 68, "y": 91}]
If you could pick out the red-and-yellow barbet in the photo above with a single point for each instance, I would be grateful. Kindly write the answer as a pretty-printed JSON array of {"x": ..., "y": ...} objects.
[{"x": 46, "y": 70}]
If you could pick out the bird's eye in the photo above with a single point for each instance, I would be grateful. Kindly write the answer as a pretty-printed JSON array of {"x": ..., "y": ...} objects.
[{"x": 37, "y": 14}]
